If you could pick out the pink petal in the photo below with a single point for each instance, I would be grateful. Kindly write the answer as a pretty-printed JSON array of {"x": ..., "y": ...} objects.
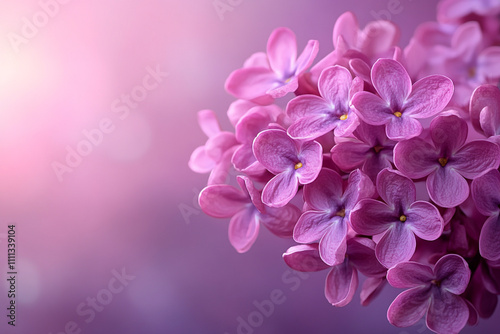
[
  {"x": 416, "y": 158},
  {"x": 221, "y": 170},
  {"x": 254, "y": 121},
  {"x": 475, "y": 158},
  {"x": 392, "y": 82},
  {"x": 487, "y": 62},
  {"x": 483, "y": 96},
  {"x": 334, "y": 84},
  {"x": 280, "y": 189},
  {"x": 307, "y": 106},
  {"x": 395, "y": 189},
  {"x": 222, "y": 201},
  {"x": 378, "y": 38},
  {"x": 312, "y": 225},
  {"x": 275, "y": 150},
  {"x": 341, "y": 284},
  {"x": 346, "y": 27},
  {"x": 447, "y": 313},
  {"x": 248, "y": 188},
  {"x": 453, "y": 272},
  {"x": 258, "y": 59},
  {"x": 404, "y": 127},
  {"x": 311, "y": 156},
  {"x": 281, "y": 221},
  {"x": 409, "y": 275},
  {"x": 489, "y": 240},
  {"x": 424, "y": 220},
  {"x": 371, "y": 217},
  {"x": 397, "y": 245},
  {"x": 200, "y": 162},
  {"x": 332, "y": 247},
  {"x": 325, "y": 192},
  {"x": 237, "y": 109},
  {"x": 361, "y": 69},
  {"x": 449, "y": 133},
  {"x": 243, "y": 230},
  {"x": 307, "y": 57},
  {"x": 361, "y": 253},
  {"x": 208, "y": 122},
  {"x": 304, "y": 258},
  {"x": 490, "y": 121},
  {"x": 371, "y": 288},
  {"x": 282, "y": 51},
  {"x": 372, "y": 109},
  {"x": 359, "y": 186},
  {"x": 251, "y": 83},
  {"x": 350, "y": 155},
  {"x": 219, "y": 144},
  {"x": 429, "y": 96},
  {"x": 447, "y": 188},
  {"x": 486, "y": 193},
  {"x": 409, "y": 307},
  {"x": 313, "y": 126}
]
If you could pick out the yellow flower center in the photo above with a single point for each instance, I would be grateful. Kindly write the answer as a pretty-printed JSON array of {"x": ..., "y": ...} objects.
[
  {"x": 443, "y": 161},
  {"x": 298, "y": 165},
  {"x": 398, "y": 114},
  {"x": 341, "y": 213},
  {"x": 402, "y": 218},
  {"x": 343, "y": 117},
  {"x": 436, "y": 282},
  {"x": 378, "y": 148}
]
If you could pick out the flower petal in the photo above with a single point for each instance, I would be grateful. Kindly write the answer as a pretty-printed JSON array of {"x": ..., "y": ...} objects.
[
  {"x": 282, "y": 52},
  {"x": 311, "y": 156},
  {"x": 252, "y": 83},
  {"x": 312, "y": 225},
  {"x": 453, "y": 272},
  {"x": 397, "y": 245},
  {"x": 359, "y": 186},
  {"x": 447, "y": 188},
  {"x": 304, "y": 258},
  {"x": 424, "y": 220},
  {"x": 371, "y": 288},
  {"x": 313, "y": 126},
  {"x": 281, "y": 221},
  {"x": 243, "y": 229},
  {"x": 371, "y": 217},
  {"x": 490, "y": 121},
  {"x": 325, "y": 192},
  {"x": 341, "y": 284},
  {"x": 346, "y": 27},
  {"x": 275, "y": 150},
  {"x": 200, "y": 162},
  {"x": 208, "y": 122},
  {"x": 404, "y": 127},
  {"x": 448, "y": 133},
  {"x": 409, "y": 307},
  {"x": 350, "y": 155},
  {"x": 489, "y": 240},
  {"x": 416, "y": 158},
  {"x": 332, "y": 247},
  {"x": 254, "y": 121},
  {"x": 447, "y": 313},
  {"x": 475, "y": 158},
  {"x": 429, "y": 96},
  {"x": 483, "y": 96},
  {"x": 361, "y": 253},
  {"x": 307, "y": 105},
  {"x": 222, "y": 201},
  {"x": 249, "y": 189},
  {"x": 392, "y": 82},
  {"x": 334, "y": 84},
  {"x": 486, "y": 192},
  {"x": 395, "y": 189},
  {"x": 371, "y": 108},
  {"x": 409, "y": 275},
  {"x": 280, "y": 189},
  {"x": 307, "y": 57}
]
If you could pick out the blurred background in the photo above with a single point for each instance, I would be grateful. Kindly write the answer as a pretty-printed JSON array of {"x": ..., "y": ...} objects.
[{"x": 108, "y": 232}]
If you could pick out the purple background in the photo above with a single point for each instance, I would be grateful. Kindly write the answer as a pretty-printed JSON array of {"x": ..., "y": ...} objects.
[{"x": 121, "y": 207}]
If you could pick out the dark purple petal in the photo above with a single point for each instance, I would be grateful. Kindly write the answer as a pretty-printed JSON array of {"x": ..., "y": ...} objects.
[
  {"x": 490, "y": 121},
  {"x": 325, "y": 192},
  {"x": 275, "y": 150},
  {"x": 489, "y": 240},
  {"x": 475, "y": 158},
  {"x": 312, "y": 225},
  {"x": 447, "y": 313},
  {"x": 483, "y": 96},
  {"x": 249, "y": 188},
  {"x": 395, "y": 189},
  {"x": 361, "y": 253},
  {"x": 280, "y": 189},
  {"x": 243, "y": 229},
  {"x": 371, "y": 217},
  {"x": 311, "y": 157},
  {"x": 409, "y": 307},
  {"x": 424, "y": 220},
  {"x": 392, "y": 82},
  {"x": 447, "y": 188},
  {"x": 416, "y": 158},
  {"x": 397, "y": 245},
  {"x": 359, "y": 186},
  {"x": 222, "y": 201},
  {"x": 371, "y": 108},
  {"x": 332, "y": 246},
  {"x": 448, "y": 133},
  {"x": 409, "y": 275},
  {"x": 453, "y": 273},
  {"x": 304, "y": 258},
  {"x": 429, "y": 96},
  {"x": 371, "y": 288},
  {"x": 281, "y": 221},
  {"x": 486, "y": 192},
  {"x": 404, "y": 127},
  {"x": 341, "y": 284},
  {"x": 350, "y": 155}
]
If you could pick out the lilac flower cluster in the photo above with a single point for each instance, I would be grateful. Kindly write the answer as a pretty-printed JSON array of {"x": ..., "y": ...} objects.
[{"x": 376, "y": 160}]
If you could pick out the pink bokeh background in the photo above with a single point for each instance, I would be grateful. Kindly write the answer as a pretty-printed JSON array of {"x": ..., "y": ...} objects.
[{"x": 131, "y": 202}]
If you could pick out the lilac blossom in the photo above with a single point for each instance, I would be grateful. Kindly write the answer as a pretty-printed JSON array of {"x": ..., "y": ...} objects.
[
  {"x": 400, "y": 104},
  {"x": 329, "y": 207},
  {"x": 292, "y": 161},
  {"x": 313, "y": 116},
  {"x": 485, "y": 111},
  {"x": 447, "y": 161},
  {"x": 247, "y": 211},
  {"x": 342, "y": 280},
  {"x": 399, "y": 218},
  {"x": 261, "y": 83}
]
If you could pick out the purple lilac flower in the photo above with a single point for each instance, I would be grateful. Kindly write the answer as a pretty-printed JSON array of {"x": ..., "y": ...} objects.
[
  {"x": 370, "y": 150},
  {"x": 486, "y": 195},
  {"x": 447, "y": 160},
  {"x": 328, "y": 211},
  {"x": 485, "y": 111},
  {"x": 293, "y": 162},
  {"x": 246, "y": 210},
  {"x": 313, "y": 116},
  {"x": 262, "y": 84},
  {"x": 400, "y": 104},
  {"x": 342, "y": 280},
  {"x": 399, "y": 219}
]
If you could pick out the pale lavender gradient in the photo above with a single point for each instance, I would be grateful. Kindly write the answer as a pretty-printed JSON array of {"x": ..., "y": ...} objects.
[{"x": 120, "y": 207}]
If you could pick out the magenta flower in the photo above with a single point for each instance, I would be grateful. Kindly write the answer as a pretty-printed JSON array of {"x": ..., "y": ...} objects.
[
  {"x": 342, "y": 280},
  {"x": 247, "y": 211},
  {"x": 485, "y": 111},
  {"x": 262, "y": 84},
  {"x": 313, "y": 116},
  {"x": 452, "y": 11},
  {"x": 434, "y": 292},
  {"x": 399, "y": 105},
  {"x": 292, "y": 161},
  {"x": 486, "y": 196},
  {"x": 328, "y": 211},
  {"x": 370, "y": 150},
  {"x": 215, "y": 155},
  {"x": 447, "y": 161},
  {"x": 399, "y": 219}
]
